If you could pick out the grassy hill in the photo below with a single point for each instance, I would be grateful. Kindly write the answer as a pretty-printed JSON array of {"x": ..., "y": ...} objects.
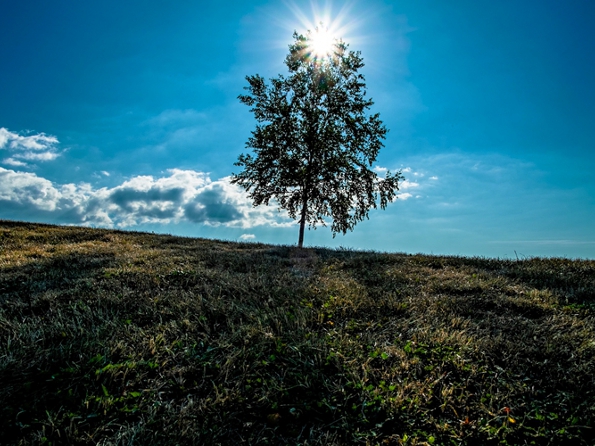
[{"x": 111, "y": 337}]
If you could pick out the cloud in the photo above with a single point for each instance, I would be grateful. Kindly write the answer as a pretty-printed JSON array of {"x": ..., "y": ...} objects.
[
  {"x": 31, "y": 148},
  {"x": 212, "y": 205},
  {"x": 27, "y": 190},
  {"x": 404, "y": 196},
  {"x": 406, "y": 184},
  {"x": 179, "y": 195},
  {"x": 13, "y": 162},
  {"x": 247, "y": 237}
]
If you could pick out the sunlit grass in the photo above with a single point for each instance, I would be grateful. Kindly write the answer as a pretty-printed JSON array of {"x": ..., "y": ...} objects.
[{"x": 110, "y": 337}]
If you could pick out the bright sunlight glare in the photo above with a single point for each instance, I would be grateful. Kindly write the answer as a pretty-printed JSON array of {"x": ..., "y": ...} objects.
[
  {"x": 322, "y": 42},
  {"x": 326, "y": 26}
]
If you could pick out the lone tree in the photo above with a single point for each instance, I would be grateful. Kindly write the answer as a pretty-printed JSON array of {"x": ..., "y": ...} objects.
[{"x": 314, "y": 145}]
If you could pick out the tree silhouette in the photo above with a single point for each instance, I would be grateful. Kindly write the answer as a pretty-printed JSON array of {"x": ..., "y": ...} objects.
[{"x": 314, "y": 144}]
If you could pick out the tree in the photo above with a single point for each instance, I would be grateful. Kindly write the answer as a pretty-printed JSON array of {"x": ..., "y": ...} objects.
[{"x": 314, "y": 144}]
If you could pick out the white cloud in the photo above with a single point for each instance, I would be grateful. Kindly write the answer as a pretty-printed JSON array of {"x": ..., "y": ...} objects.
[
  {"x": 28, "y": 190},
  {"x": 13, "y": 162},
  {"x": 434, "y": 178},
  {"x": 38, "y": 156},
  {"x": 35, "y": 147},
  {"x": 404, "y": 196},
  {"x": 179, "y": 195},
  {"x": 13, "y": 140},
  {"x": 406, "y": 184},
  {"x": 247, "y": 237},
  {"x": 406, "y": 169},
  {"x": 380, "y": 170}
]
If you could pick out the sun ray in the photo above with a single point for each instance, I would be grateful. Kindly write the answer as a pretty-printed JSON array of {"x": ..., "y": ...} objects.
[{"x": 326, "y": 25}]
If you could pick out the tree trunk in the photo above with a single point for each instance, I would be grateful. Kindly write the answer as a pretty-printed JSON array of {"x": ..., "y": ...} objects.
[{"x": 303, "y": 222}]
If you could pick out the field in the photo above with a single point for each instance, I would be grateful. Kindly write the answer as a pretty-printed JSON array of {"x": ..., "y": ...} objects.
[{"x": 111, "y": 337}]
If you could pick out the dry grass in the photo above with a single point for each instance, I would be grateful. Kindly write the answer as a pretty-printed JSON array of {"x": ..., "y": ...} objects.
[{"x": 110, "y": 337}]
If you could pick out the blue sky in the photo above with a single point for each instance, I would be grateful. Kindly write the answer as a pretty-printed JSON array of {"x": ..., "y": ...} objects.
[{"x": 125, "y": 115}]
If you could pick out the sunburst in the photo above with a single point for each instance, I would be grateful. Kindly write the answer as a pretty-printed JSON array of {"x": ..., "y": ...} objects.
[
  {"x": 322, "y": 42},
  {"x": 325, "y": 28}
]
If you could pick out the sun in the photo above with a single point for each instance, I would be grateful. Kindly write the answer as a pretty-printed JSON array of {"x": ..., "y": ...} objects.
[
  {"x": 322, "y": 42},
  {"x": 325, "y": 27}
]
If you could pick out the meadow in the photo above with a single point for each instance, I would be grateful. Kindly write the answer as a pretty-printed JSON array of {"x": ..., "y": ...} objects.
[{"x": 116, "y": 338}]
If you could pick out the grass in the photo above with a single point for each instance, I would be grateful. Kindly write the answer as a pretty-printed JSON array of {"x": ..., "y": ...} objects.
[{"x": 111, "y": 337}]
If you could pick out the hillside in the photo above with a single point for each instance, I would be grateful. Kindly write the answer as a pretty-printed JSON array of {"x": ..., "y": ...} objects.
[{"x": 111, "y": 337}]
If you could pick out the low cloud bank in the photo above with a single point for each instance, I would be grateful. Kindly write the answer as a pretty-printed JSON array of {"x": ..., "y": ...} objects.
[{"x": 180, "y": 195}]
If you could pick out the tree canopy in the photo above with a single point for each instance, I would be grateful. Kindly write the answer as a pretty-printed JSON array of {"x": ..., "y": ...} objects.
[{"x": 314, "y": 143}]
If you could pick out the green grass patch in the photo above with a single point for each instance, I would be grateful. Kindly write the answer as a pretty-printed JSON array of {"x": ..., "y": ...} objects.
[{"x": 112, "y": 337}]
